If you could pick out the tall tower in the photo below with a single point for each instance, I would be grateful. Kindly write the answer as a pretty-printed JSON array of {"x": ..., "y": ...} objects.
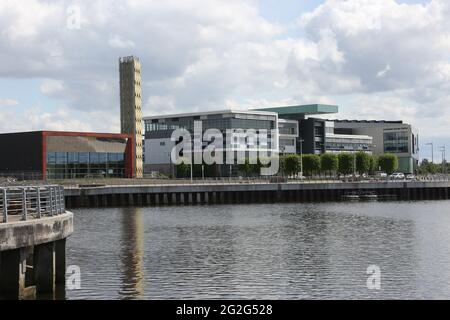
[{"x": 130, "y": 105}]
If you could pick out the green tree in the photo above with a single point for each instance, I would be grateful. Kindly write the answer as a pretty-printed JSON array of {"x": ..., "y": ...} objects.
[
  {"x": 346, "y": 163},
  {"x": 329, "y": 162},
  {"x": 311, "y": 163},
  {"x": 246, "y": 168},
  {"x": 290, "y": 164},
  {"x": 362, "y": 162},
  {"x": 388, "y": 163},
  {"x": 373, "y": 164},
  {"x": 183, "y": 170}
]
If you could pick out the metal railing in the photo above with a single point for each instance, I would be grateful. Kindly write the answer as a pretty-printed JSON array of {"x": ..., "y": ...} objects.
[{"x": 21, "y": 203}]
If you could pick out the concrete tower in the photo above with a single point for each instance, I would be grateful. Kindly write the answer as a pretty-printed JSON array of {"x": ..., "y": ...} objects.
[{"x": 130, "y": 105}]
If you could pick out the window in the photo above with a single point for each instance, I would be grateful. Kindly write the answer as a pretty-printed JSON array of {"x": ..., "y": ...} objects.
[{"x": 162, "y": 143}]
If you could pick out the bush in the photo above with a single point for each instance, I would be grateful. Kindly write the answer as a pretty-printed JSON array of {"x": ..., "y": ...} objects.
[
  {"x": 362, "y": 162},
  {"x": 388, "y": 163},
  {"x": 291, "y": 164},
  {"x": 311, "y": 163},
  {"x": 329, "y": 162},
  {"x": 346, "y": 163}
]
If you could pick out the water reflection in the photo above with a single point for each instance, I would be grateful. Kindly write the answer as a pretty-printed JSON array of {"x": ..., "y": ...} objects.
[
  {"x": 279, "y": 251},
  {"x": 132, "y": 253}
]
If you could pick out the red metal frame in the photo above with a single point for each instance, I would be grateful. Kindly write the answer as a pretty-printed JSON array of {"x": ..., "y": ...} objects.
[{"x": 129, "y": 150}]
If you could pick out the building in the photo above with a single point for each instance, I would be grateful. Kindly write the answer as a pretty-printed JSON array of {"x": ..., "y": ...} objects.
[
  {"x": 393, "y": 137},
  {"x": 158, "y": 132},
  {"x": 130, "y": 106},
  {"x": 66, "y": 155},
  {"x": 337, "y": 143}
]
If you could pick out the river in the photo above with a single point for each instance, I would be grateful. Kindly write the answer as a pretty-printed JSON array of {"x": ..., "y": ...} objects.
[{"x": 267, "y": 251}]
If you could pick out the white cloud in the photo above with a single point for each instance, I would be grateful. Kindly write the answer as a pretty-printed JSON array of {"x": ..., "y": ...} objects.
[
  {"x": 50, "y": 87},
  {"x": 8, "y": 102},
  {"x": 116, "y": 41},
  {"x": 379, "y": 59}
]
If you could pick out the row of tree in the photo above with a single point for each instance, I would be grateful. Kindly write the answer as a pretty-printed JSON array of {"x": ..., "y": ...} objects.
[
  {"x": 342, "y": 163},
  {"x": 292, "y": 164},
  {"x": 428, "y": 167}
]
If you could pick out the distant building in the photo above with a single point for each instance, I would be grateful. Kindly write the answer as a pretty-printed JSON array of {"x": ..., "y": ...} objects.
[
  {"x": 298, "y": 132},
  {"x": 66, "y": 155},
  {"x": 393, "y": 137},
  {"x": 158, "y": 132},
  {"x": 130, "y": 106}
]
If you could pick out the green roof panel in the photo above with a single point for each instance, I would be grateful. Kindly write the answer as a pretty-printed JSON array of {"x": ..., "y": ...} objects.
[{"x": 303, "y": 109}]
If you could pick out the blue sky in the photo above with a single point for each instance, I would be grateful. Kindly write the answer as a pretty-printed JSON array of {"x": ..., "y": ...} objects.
[{"x": 375, "y": 59}]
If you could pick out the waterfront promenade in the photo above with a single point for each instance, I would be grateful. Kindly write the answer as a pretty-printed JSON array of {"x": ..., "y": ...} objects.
[
  {"x": 247, "y": 191},
  {"x": 34, "y": 225}
]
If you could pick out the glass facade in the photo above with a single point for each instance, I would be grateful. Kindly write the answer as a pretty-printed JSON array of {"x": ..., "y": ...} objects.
[
  {"x": 71, "y": 165},
  {"x": 396, "y": 142},
  {"x": 213, "y": 121},
  {"x": 341, "y": 144},
  {"x": 70, "y": 157}
]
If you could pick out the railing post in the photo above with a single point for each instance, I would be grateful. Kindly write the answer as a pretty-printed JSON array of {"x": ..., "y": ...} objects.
[
  {"x": 5, "y": 206},
  {"x": 38, "y": 201},
  {"x": 51, "y": 200},
  {"x": 24, "y": 204},
  {"x": 63, "y": 200}
]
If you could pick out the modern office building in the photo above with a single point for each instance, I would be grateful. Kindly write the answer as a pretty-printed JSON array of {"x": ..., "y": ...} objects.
[
  {"x": 338, "y": 143},
  {"x": 158, "y": 133},
  {"x": 130, "y": 105},
  {"x": 66, "y": 155},
  {"x": 393, "y": 137}
]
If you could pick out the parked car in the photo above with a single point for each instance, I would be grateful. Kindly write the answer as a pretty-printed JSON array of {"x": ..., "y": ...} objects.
[
  {"x": 397, "y": 176},
  {"x": 381, "y": 175},
  {"x": 410, "y": 177}
]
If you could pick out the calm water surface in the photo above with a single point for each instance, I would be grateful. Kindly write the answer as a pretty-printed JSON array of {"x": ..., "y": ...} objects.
[{"x": 269, "y": 251}]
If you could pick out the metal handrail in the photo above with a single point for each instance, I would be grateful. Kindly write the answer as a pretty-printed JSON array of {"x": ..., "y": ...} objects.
[{"x": 30, "y": 202}]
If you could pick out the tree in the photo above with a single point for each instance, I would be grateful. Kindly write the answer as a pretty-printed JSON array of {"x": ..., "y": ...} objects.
[
  {"x": 311, "y": 163},
  {"x": 362, "y": 162},
  {"x": 388, "y": 163},
  {"x": 329, "y": 162},
  {"x": 246, "y": 167},
  {"x": 183, "y": 170},
  {"x": 373, "y": 164},
  {"x": 346, "y": 163},
  {"x": 290, "y": 164}
]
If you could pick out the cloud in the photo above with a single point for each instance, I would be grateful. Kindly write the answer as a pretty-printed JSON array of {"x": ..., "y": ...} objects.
[
  {"x": 50, "y": 87},
  {"x": 379, "y": 59},
  {"x": 8, "y": 102},
  {"x": 116, "y": 41}
]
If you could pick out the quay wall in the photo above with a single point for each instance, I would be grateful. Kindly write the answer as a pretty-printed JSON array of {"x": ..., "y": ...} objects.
[{"x": 234, "y": 193}]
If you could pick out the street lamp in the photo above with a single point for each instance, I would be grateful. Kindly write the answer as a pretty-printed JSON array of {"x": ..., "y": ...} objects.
[
  {"x": 432, "y": 151},
  {"x": 443, "y": 150},
  {"x": 301, "y": 156}
]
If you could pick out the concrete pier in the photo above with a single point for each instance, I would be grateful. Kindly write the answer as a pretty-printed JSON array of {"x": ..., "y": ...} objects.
[
  {"x": 236, "y": 193},
  {"x": 41, "y": 241},
  {"x": 33, "y": 232}
]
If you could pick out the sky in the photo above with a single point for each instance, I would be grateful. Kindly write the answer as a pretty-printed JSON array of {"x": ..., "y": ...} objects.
[{"x": 375, "y": 59}]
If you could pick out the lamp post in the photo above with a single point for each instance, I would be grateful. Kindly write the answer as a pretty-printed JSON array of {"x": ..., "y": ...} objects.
[
  {"x": 432, "y": 151},
  {"x": 301, "y": 156},
  {"x": 443, "y": 150}
]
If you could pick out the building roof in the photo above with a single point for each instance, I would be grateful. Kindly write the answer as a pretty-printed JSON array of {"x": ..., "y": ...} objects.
[
  {"x": 204, "y": 113},
  {"x": 303, "y": 109},
  {"x": 73, "y": 134},
  {"x": 368, "y": 121}
]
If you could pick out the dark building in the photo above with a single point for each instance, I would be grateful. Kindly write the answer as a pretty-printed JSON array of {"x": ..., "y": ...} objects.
[{"x": 64, "y": 155}]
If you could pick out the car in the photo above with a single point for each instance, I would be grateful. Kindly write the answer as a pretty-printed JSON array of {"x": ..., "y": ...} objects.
[
  {"x": 381, "y": 175},
  {"x": 397, "y": 176},
  {"x": 410, "y": 177}
]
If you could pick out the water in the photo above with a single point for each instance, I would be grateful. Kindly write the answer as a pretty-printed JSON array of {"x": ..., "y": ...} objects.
[{"x": 276, "y": 251}]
